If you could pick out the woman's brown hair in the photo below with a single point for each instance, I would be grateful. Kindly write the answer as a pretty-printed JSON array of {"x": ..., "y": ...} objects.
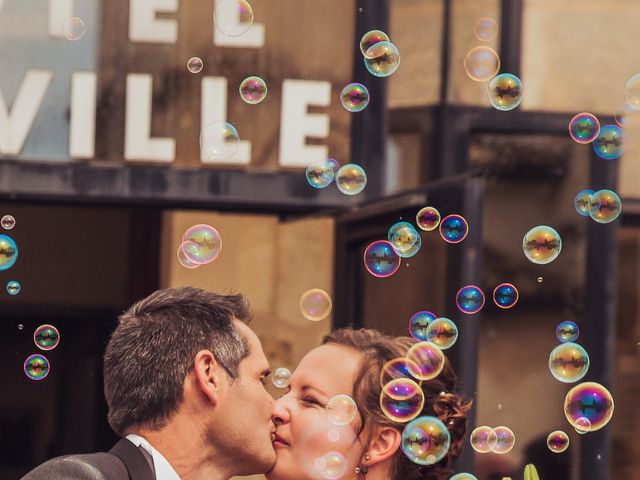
[{"x": 440, "y": 400}]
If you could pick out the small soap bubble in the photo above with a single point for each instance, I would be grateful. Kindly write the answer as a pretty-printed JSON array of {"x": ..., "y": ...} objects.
[
  {"x": 331, "y": 466},
  {"x": 73, "y": 28},
  {"x": 195, "y": 65},
  {"x": 464, "y": 476},
  {"x": 540, "y": 279},
  {"x": 569, "y": 362},
  {"x": 483, "y": 439},
  {"x": 8, "y": 222},
  {"x": 351, "y": 179},
  {"x": 567, "y": 331},
  {"x": 581, "y": 202},
  {"x": 425, "y": 440},
  {"x": 454, "y": 228},
  {"x": 428, "y": 218},
  {"x": 403, "y": 236},
  {"x": 428, "y": 358},
  {"x": 589, "y": 400},
  {"x": 36, "y": 367},
  {"x": 583, "y": 425},
  {"x": 371, "y": 38},
  {"x": 320, "y": 174},
  {"x": 208, "y": 244},
  {"x": 584, "y": 127},
  {"x": 20, "y": 326},
  {"x": 608, "y": 145},
  {"x": 558, "y": 441},
  {"x": 505, "y": 92},
  {"x": 605, "y": 206},
  {"x": 380, "y": 259},
  {"x": 632, "y": 91},
  {"x": 485, "y": 29},
  {"x": 341, "y": 409},
  {"x": 401, "y": 400},
  {"x": 418, "y": 324},
  {"x": 335, "y": 165},
  {"x": 182, "y": 257},
  {"x": 506, "y": 440},
  {"x": 281, "y": 378},
  {"x": 13, "y": 287},
  {"x": 505, "y": 295},
  {"x": 46, "y": 337},
  {"x": 382, "y": 59},
  {"x": 470, "y": 299},
  {"x": 233, "y": 17},
  {"x": 396, "y": 368},
  {"x": 219, "y": 141},
  {"x": 354, "y": 97},
  {"x": 253, "y": 90},
  {"x": 443, "y": 332},
  {"x": 8, "y": 252},
  {"x": 315, "y": 304},
  {"x": 542, "y": 244},
  {"x": 481, "y": 64}
]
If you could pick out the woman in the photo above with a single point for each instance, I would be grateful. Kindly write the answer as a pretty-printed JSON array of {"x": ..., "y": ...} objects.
[{"x": 310, "y": 444}]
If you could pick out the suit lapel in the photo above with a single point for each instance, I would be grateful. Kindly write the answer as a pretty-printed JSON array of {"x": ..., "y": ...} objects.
[{"x": 133, "y": 459}]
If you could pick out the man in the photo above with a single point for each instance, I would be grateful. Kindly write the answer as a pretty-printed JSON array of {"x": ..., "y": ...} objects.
[{"x": 184, "y": 380}]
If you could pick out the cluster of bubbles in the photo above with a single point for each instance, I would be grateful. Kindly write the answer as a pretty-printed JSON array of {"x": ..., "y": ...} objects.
[
  {"x": 233, "y": 17},
  {"x": 425, "y": 326},
  {"x": 351, "y": 179},
  {"x": 470, "y": 299},
  {"x": 542, "y": 244},
  {"x": 315, "y": 304},
  {"x": 569, "y": 361},
  {"x": 381, "y": 57},
  {"x": 201, "y": 244},
  {"x": 73, "y": 28},
  {"x": 485, "y": 439},
  {"x": 588, "y": 407},
  {"x": 603, "y": 206},
  {"x": 37, "y": 366},
  {"x": 405, "y": 239},
  {"x": 558, "y": 441},
  {"x": 607, "y": 141}
]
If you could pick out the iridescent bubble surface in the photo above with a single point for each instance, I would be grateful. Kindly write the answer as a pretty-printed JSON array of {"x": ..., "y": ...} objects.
[
  {"x": 402, "y": 236},
  {"x": 195, "y": 65},
  {"x": 418, "y": 324},
  {"x": 609, "y": 144},
  {"x": 8, "y": 222},
  {"x": 315, "y": 304},
  {"x": 582, "y": 425},
  {"x": 542, "y": 244},
  {"x": 442, "y": 332},
  {"x": 233, "y": 17},
  {"x": 506, "y": 440},
  {"x": 219, "y": 141},
  {"x": 505, "y": 92},
  {"x": 8, "y": 252},
  {"x": 454, "y": 228},
  {"x": 36, "y": 367},
  {"x": 589, "y": 400},
  {"x": 281, "y": 378},
  {"x": 382, "y": 59},
  {"x": 13, "y": 287},
  {"x": 429, "y": 359},
  {"x": 567, "y": 331},
  {"x": 428, "y": 218},
  {"x": 46, "y": 337},
  {"x": 464, "y": 476},
  {"x": 396, "y": 368},
  {"x": 354, "y": 97},
  {"x": 558, "y": 441},
  {"x": 413, "y": 250},
  {"x": 470, "y": 299},
  {"x": 581, "y": 202},
  {"x": 351, "y": 179},
  {"x": 331, "y": 466},
  {"x": 380, "y": 259},
  {"x": 208, "y": 244},
  {"x": 605, "y": 206},
  {"x": 569, "y": 362},
  {"x": 584, "y": 127},
  {"x": 632, "y": 91},
  {"x": 481, "y": 64},
  {"x": 483, "y": 439},
  {"x": 73, "y": 28},
  {"x": 253, "y": 90},
  {"x": 401, "y": 400},
  {"x": 505, "y": 295},
  {"x": 341, "y": 409},
  {"x": 425, "y": 440},
  {"x": 182, "y": 257},
  {"x": 371, "y": 38},
  {"x": 485, "y": 29},
  {"x": 320, "y": 174}
]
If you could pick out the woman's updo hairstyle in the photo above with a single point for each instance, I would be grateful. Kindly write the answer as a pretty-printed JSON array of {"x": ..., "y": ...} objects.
[{"x": 440, "y": 400}]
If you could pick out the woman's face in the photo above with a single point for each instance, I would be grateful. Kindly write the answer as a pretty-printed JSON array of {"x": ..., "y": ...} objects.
[{"x": 309, "y": 445}]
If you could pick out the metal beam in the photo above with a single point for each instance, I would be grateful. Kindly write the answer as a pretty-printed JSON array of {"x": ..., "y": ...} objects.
[{"x": 511, "y": 14}]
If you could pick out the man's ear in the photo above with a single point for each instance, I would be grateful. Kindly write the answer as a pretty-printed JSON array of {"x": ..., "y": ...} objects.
[
  {"x": 209, "y": 376},
  {"x": 382, "y": 446}
]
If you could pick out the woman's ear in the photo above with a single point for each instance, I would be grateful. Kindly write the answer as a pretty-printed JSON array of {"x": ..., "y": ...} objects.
[
  {"x": 383, "y": 445},
  {"x": 209, "y": 376}
]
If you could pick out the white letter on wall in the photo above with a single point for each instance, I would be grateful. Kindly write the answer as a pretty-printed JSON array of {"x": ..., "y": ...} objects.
[
  {"x": 145, "y": 27},
  {"x": 296, "y": 124},
  {"x": 59, "y": 11},
  {"x": 82, "y": 128},
  {"x": 214, "y": 109},
  {"x": 226, "y": 15},
  {"x": 15, "y": 126},
  {"x": 138, "y": 144}
]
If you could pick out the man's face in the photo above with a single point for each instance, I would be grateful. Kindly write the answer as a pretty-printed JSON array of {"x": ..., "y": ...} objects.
[{"x": 247, "y": 409}]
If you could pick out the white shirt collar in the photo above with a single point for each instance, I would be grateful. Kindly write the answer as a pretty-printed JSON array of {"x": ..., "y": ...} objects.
[{"x": 162, "y": 467}]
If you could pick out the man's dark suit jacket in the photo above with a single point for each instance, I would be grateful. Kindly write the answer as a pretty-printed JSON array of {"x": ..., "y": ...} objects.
[{"x": 123, "y": 462}]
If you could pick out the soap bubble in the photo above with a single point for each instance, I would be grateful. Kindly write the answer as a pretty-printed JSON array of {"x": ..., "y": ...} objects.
[
  {"x": 470, "y": 299},
  {"x": 36, "y": 367},
  {"x": 13, "y": 287},
  {"x": 428, "y": 358},
  {"x": 505, "y": 92},
  {"x": 567, "y": 331},
  {"x": 331, "y": 466},
  {"x": 354, "y": 97},
  {"x": 403, "y": 236},
  {"x": 464, "y": 476},
  {"x": 195, "y": 65},
  {"x": 8, "y": 252},
  {"x": 481, "y": 64},
  {"x": 443, "y": 332},
  {"x": 233, "y": 17},
  {"x": 485, "y": 29},
  {"x": 253, "y": 90},
  {"x": 351, "y": 179},
  {"x": 505, "y": 295},
  {"x": 454, "y": 228},
  {"x": 605, "y": 206},
  {"x": 315, "y": 304},
  {"x": 632, "y": 91},
  {"x": 401, "y": 400},
  {"x": 201, "y": 244},
  {"x": 428, "y": 219},
  {"x": 73, "y": 28},
  {"x": 281, "y": 378},
  {"x": 569, "y": 362},
  {"x": 341, "y": 409},
  {"x": 46, "y": 337},
  {"x": 219, "y": 141},
  {"x": 609, "y": 144},
  {"x": 506, "y": 440},
  {"x": 584, "y": 127},
  {"x": 558, "y": 441},
  {"x": 380, "y": 259},
  {"x": 589, "y": 400},
  {"x": 320, "y": 174},
  {"x": 182, "y": 257},
  {"x": 418, "y": 324},
  {"x": 542, "y": 244},
  {"x": 483, "y": 439},
  {"x": 581, "y": 202},
  {"x": 8, "y": 222},
  {"x": 382, "y": 59},
  {"x": 425, "y": 440},
  {"x": 397, "y": 368},
  {"x": 371, "y": 38},
  {"x": 582, "y": 425}
]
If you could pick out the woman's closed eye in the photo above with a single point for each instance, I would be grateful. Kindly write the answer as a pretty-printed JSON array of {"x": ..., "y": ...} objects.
[{"x": 310, "y": 401}]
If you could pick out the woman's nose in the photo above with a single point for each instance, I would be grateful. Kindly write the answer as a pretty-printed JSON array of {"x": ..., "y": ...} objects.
[{"x": 280, "y": 412}]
